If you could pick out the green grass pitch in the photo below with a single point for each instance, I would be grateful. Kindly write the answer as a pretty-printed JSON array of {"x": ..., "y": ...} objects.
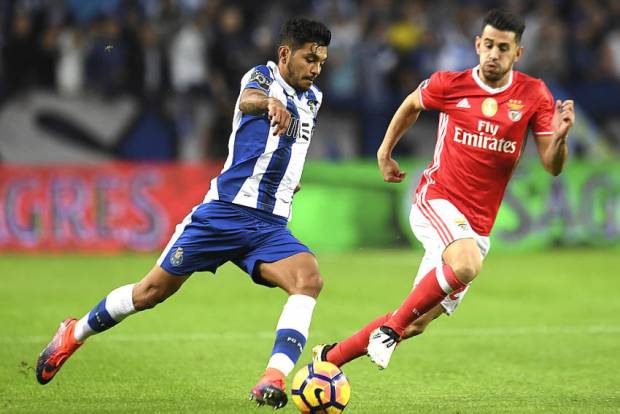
[{"x": 537, "y": 333}]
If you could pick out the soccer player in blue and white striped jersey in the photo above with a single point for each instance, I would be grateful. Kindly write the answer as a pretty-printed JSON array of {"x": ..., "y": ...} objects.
[{"x": 244, "y": 215}]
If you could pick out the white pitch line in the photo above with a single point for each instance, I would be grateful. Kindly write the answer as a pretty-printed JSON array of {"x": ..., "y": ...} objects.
[
  {"x": 533, "y": 330},
  {"x": 249, "y": 335}
]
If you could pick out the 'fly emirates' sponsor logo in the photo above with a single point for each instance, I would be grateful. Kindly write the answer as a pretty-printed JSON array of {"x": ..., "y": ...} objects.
[{"x": 485, "y": 138}]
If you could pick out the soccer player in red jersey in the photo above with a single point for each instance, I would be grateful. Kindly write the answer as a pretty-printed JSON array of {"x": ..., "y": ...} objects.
[{"x": 485, "y": 115}]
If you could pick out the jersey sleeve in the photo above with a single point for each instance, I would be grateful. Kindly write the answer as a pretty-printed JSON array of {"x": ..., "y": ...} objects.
[
  {"x": 260, "y": 78},
  {"x": 432, "y": 92},
  {"x": 542, "y": 121}
]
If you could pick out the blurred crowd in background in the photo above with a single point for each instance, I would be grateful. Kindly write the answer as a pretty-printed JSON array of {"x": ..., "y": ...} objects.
[{"x": 183, "y": 59}]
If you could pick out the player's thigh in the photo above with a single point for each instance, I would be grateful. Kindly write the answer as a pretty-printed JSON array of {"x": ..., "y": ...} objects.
[
  {"x": 428, "y": 233},
  {"x": 440, "y": 226},
  {"x": 439, "y": 222},
  {"x": 296, "y": 274},
  {"x": 278, "y": 258}
]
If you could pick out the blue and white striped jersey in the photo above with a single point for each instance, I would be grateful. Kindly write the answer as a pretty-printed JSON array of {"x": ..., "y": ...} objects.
[{"x": 262, "y": 170}]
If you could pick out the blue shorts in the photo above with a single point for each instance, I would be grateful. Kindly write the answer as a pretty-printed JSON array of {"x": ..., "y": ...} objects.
[{"x": 217, "y": 232}]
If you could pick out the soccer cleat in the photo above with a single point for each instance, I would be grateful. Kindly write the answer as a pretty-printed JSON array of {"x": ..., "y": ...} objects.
[
  {"x": 319, "y": 352},
  {"x": 381, "y": 344},
  {"x": 62, "y": 346},
  {"x": 270, "y": 390}
]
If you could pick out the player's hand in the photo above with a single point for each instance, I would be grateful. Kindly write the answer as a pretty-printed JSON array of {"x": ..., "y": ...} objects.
[
  {"x": 563, "y": 118},
  {"x": 390, "y": 170},
  {"x": 278, "y": 116}
]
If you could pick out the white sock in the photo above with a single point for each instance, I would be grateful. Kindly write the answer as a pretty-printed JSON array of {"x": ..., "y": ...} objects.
[
  {"x": 82, "y": 330},
  {"x": 111, "y": 310},
  {"x": 292, "y": 332}
]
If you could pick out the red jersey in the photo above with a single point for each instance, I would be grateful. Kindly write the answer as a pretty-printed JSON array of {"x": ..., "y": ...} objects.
[{"x": 481, "y": 134}]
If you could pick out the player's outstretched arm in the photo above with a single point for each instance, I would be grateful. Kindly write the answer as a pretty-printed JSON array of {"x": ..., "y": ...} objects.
[
  {"x": 405, "y": 117},
  {"x": 256, "y": 102},
  {"x": 554, "y": 152}
]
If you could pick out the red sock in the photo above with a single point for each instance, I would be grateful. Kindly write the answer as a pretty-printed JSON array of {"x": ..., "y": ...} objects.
[
  {"x": 355, "y": 345},
  {"x": 432, "y": 289}
]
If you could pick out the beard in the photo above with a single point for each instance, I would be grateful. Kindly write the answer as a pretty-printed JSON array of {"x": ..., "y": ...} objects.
[
  {"x": 298, "y": 82},
  {"x": 493, "y": 75}
]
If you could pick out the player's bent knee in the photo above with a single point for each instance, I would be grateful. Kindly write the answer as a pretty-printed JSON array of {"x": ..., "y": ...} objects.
[
  {"x": 464, "y": 257},
  {"x": 467, "y": 268},
  {"x": 317, "y": 283},
  {"x": 465, "y": 273},
  {"x": 309, "y": 284}
]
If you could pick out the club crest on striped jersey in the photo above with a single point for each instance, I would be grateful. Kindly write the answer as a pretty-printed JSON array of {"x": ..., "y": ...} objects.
[
  {"x": 314, "y": 107},
  {"x": 176, "y": 258},
  {"x": 515, "y": 107},
  {"x": 489, "y": 107}
]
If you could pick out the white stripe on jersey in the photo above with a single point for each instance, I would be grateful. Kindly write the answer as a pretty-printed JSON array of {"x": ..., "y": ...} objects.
[
  {"x": 421, "y": 201},
  {"x": 441, "y": 134},
  {"x": 421, "y": 100},
  {"x": 289, "y": 181},
  {"x": 248, "y": 194},
  {"x": 177, "y": 233},
  {"x": 213, "y": 193}
]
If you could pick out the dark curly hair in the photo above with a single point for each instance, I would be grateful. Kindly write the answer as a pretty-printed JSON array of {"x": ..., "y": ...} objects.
[
  {"x": 505, "y": 21},
  {"x": 298, "y": 31}
]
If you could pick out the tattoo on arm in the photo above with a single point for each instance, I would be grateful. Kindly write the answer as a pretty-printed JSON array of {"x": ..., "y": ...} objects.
[{"x": 253, "y": 102}]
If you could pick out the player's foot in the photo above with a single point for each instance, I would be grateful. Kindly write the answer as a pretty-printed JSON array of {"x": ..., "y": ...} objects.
[
  {"x": 381, "y": 344},
  {"x": 62, "y": 346},
  {"x": 319, "y": 352},
  {"x": 270, "y": 390}
]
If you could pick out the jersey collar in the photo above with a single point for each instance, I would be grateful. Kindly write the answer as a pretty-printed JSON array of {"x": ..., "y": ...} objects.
[
  {"x": 487, "y": 88},
  {"x": 276, "y": 73}
]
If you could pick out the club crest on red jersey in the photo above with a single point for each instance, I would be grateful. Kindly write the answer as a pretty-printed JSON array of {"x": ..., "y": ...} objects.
[
  {"x": 515, "y": 107},
  {"x": 489, "y": 107}
]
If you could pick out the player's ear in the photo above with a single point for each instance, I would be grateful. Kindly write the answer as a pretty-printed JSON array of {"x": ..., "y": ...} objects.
[
  {"x": 519, "y": 53},
  {"x": 284, "y": 54},
  {"x": 477, "y": 43}
]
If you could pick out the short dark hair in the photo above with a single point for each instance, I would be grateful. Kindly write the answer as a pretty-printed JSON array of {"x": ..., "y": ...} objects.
[
  {"x": 298, "y": 31},
  {"x": 505, "y": 21}
]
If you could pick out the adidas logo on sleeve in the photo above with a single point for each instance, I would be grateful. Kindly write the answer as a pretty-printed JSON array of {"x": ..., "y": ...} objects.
[{"x": 463, "y": 103}]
